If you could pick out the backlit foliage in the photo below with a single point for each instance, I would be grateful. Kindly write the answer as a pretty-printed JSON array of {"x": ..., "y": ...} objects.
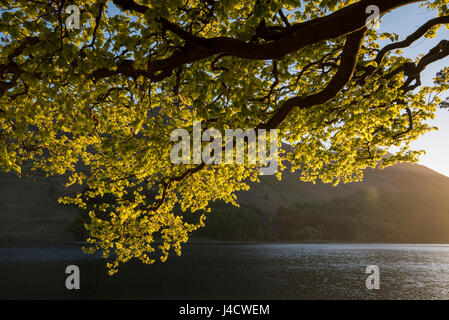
[{"x": 98, "y": 104}]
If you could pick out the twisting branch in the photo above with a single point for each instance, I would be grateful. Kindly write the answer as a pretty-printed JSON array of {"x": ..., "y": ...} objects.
[
  {"x": 440, "y": 51},
  {"x": 407, "y": 41},
  {"x": 341, "y": 22},
  {"x": 349, "y": 58}
]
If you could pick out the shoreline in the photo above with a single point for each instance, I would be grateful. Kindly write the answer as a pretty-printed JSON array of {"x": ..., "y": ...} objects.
[{"x": 47, "y": 243}]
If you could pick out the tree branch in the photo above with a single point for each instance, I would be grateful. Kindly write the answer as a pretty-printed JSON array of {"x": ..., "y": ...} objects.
[
  {"x": 341, "y": 22},
  {"x": 344, "y": 74}
]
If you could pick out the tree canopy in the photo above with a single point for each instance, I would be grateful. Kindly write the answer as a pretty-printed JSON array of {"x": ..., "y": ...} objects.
[{"x": 98, "y": 103}]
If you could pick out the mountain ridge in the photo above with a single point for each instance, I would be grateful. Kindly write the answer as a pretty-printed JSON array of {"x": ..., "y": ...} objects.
[{"x": 29, "y": 211}]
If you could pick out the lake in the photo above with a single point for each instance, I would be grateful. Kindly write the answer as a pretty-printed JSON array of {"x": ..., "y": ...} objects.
[{"x": 234, "y": 271}]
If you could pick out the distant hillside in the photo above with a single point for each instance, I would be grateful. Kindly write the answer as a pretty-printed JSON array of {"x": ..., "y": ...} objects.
[
  {"x": 404, "y": 178},
  {"x": 29, "y": 211},
  {"x": 403, "y": 203}
]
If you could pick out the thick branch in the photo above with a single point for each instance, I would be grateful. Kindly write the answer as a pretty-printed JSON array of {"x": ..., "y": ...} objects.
[
  {"x": 341, "y": 22},
  {"x": 344, "y": 74}
]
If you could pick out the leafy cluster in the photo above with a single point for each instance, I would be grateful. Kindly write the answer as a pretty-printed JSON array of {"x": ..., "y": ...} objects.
[{"x": 98, "y": 104}]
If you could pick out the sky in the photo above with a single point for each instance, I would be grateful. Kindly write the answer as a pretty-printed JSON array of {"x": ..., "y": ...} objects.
[{"x": 405, "y": 21}]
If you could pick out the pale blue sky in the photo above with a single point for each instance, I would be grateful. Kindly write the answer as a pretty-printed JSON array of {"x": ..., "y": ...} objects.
[{"x": 404, "y": 21}]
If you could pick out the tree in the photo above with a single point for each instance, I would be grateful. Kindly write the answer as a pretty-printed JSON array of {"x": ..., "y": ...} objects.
[{"x": 108, "y": 95}]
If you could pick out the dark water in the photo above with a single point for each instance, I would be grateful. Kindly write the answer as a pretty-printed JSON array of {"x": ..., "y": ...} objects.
[{"x": 220, "y": 271}]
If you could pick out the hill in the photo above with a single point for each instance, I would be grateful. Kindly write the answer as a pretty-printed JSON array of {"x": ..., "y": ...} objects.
[
  {"x": 30, "y": 213},
  {"x": 403, "y": 203}
]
